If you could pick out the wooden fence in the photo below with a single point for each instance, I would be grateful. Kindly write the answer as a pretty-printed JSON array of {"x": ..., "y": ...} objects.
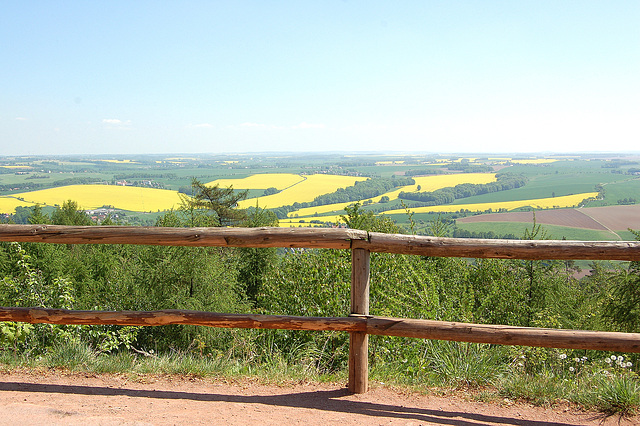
[{"x": 359, "y": 323}]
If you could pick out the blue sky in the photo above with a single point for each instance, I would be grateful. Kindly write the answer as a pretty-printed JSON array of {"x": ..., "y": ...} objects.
[{"x": 116, "y": 77}]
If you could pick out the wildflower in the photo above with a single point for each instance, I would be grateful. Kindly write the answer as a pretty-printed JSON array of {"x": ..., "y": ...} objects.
[
  {"x": 562, "y": 356},
  {"x": 607, "y": 360},
  {"x": 583, "y": 359},
  {"x": 613, "y": 357},
  {"x": 620, "y": 358},
  {"x": 629, "y": 364},
  {"x": 572, "y": 369},
  {"x": 576, "y": 359}
]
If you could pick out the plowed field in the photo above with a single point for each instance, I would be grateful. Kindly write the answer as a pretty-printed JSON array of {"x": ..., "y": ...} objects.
[{"x": 615, "y": 218}]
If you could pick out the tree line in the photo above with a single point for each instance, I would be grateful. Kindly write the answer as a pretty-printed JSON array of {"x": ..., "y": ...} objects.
[
  {"x": 361, "y": 190},
  {"x": 505, "y": 181}
]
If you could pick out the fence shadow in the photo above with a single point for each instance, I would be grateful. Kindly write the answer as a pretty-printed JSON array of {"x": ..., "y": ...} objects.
[{"x": 324, "y": 400}]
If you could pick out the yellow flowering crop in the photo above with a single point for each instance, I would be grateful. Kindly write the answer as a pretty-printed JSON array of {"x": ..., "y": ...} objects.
[
  {"x": 279, "y": 181},
  {"x": 120, "y": 161},
  {"x": 540, "y": 203},
  {"x": 304, "y": 191},
  {"x": 9, "y": 204},
  {"x": 427, "y": 183},
  {"x": 536, "y": 161},
  {"x": 93, "y": 196}
]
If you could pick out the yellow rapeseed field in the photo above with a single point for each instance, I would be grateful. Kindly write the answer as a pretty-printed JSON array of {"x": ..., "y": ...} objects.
[
  {"x": 120, "y": 161},
  {"x": 540, "y": 203},
  {"x": 327, "y": 208},
  {"x": 9, "y": 204},
  {"x": 93, "y": 196},
  {"x": 279, "y": 181},
  {"x": 304, "y": 191},
  {"x": 536, "y": 161},
  {"x": 426, "y": 183}
]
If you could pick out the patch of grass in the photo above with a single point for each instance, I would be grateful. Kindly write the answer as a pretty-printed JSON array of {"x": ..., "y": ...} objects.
[
  {"x": 72, "y": 355},
  {"x": 554, "y": 231},
  {"x": 487, "y": 372}
]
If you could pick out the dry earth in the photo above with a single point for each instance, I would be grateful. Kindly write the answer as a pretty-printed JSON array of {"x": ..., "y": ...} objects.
[
  {"x": 56, "y": 398},
  {"x": 617, "y": 218}
]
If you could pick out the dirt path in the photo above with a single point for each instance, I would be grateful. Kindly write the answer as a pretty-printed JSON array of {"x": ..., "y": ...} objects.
[{"x": 78, "y": 399}]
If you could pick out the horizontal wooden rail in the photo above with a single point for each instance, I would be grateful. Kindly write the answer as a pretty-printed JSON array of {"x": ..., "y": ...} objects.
[
  {"x": 325, "y": 238},
  {"x": 178, "y": 316},
  {"x": 424, "y": 329}
]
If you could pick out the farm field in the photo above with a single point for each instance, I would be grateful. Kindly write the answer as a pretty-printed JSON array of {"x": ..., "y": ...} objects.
[
  {"x": 617, "y": 218},
  {"x": 94, "y": 196},
  {"x": 554, "y": 232},
  {"x": 9, "y": 204},
  {"x": 613, "y": 221},
  {"x": 540, "y": 203},
  {"x": 279, "y": 181},
  {"x": 554, "y": 184},
  {"x": 306, "y": 190},
  {"x": 425, "y": 183}
]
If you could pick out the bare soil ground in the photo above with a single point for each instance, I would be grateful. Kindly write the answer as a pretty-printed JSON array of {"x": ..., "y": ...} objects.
[
  {"x": 563, "y": 217},
  {"x": 609, "y": 218},
  {"x": 618, "y": 218},
  {"x": 57, "y": 398}
]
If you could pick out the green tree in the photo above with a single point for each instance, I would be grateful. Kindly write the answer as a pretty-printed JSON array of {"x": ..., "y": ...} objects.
[
  {"x": 222, "y": 201},
  {"x": 37, "y": 216},
  {"x": 622, "y": 305},
  {"x": 70, "y": 214},
  {"x": 254, "y": 262}
]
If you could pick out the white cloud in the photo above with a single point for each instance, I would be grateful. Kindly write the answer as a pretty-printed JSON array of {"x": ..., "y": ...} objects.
[
  {"x": 201, "y": 126},
  {"x": 247, "y": 124},
  {"x": 116, "y": 122},
  {"x": 305, "y": 125},
  {"x": 21, "y": 119}
]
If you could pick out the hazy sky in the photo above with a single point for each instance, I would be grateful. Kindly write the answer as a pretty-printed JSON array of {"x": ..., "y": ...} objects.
[{"x": 81, "y": 77}]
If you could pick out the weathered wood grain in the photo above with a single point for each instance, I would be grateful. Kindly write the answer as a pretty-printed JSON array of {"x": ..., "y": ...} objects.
[
  {"x": 359, "y": 341},
  {"x": 422, "y": 329},
  {"x": 324, "y": 238},
  {"x": 505, "y": 335},
  {"x": 176, "y": 316},
  {"x": 196, "y": 237},
  {"x": 500, "y": 249}
]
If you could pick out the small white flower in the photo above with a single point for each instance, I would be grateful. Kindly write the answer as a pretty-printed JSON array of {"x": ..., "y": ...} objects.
[
  {"x": 576, "y": 359},
  {"x": 629, "y": 364},
  {"x": 583, "y": 359},
  {"x": 572, "y": 369},
  {"x": 607, "y": 360},
  {"x": 620, "y": 358},
  {"x": 562, "y": 356},
  {"x": 613, "y": 357}
]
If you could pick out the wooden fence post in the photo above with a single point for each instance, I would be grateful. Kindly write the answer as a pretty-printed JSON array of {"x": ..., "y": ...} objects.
[{"x": 359, "y": 341}]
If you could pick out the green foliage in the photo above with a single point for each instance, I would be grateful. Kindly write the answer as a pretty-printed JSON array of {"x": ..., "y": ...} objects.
[
  {"x": 37, "y": 216},
  {"x": 222, "y": 201},
  {"x": 361, "y": 190},
  {"x": 505, "y": 181},
  {"x": 465, "y": 364},
  {"x": 622, "y": 305},
  {"x": 69, "y": 214},
  {"x": 358, "y": 218},
  {"x": 254, "y": 263}
]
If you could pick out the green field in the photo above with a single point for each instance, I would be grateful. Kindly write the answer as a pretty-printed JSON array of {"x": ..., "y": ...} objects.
[
  {"x": 566, "y": 176},
  {"x": 554, "y": 232}
]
